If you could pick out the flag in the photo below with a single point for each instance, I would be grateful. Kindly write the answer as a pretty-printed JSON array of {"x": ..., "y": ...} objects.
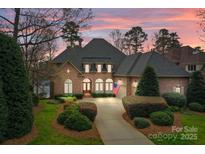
[{"x": 116, "y": 88}]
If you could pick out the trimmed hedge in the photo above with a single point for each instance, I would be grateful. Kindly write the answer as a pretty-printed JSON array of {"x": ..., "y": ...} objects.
[
  {"x": 174, "y": 108},
  {"x": 89, "y": 110},
  {"x": 3, "y": 114},
  {"x": 196, "y": 107},
  {"x": 66, "y": 99},
  {"x": 162, "y": 118},
  {"x": 97, "y": 95},
  {"x": 141, "y": 122},
  {"x": 78, "y": 95},
  {"x": 174, "y": 99},
  {"x": 77, "y": 121},
  {"x": 16, "y": 88},
  {"x": 73, "y": 119},
  {"x": 142, "y": 106}
]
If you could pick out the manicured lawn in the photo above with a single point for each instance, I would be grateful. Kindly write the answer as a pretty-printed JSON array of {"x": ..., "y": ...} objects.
[
  {"x": 48, "y": 135},
  {"x": 188, "y": 119}
]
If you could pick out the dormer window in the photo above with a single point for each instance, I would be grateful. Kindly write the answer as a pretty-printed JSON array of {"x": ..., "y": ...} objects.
[
  {"x": 87, "y": 68},
  {"x": 109, "y": 68},
  {"x": 99, "y": 68}
]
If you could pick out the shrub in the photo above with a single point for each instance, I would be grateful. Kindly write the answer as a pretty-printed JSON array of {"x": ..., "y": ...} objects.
[
  {"x": 62, "y": 117},
  {"x": 161, "y": 118},
  {"x": 141, "y": 122},
  {"x": 196, "y": 89},
  {"x": 196, "y": 107},
  {"x": 15, "y": 87},
  {"x": 35, "y": 100},
  {"x": 169, "y": 112},
  {"x": 97, "y": 95},
  {"x": 174, "y": 99},
  {"x": 3, "y": 114},
  {"x": 148, "y": 85},
  {"x": 73, "y": 107},
  {"x": 141, "y": 106},
  {"x": 174, "y": 108},
  {"x": 78, "y": 96},
  {"x": 66, "y": 99},
  {"x": 77, "y": 121},
  {"x": 89, "y": 110}
]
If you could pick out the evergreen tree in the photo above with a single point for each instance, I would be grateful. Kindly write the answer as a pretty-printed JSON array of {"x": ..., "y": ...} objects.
[
  {"x": 71, "y": 33},
  {"x": 3, "y": 114},
  {"x": 196, "y": 89},
  {"x": 165, "y": 41},
  {"x": 148, "y": 85},
  {"x": 135, "y": 38},
  {"x": 15, "y": 88}
]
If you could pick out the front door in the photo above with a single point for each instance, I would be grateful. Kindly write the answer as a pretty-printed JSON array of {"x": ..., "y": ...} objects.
[{"x": 86, "y": 86}]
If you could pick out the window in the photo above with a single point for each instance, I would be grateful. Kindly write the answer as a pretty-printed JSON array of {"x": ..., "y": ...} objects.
[
  {"x": 179, "y": 89},
  {"x": 99, "y": 68},
  {"x": 68, "y": 87},
  {"x": 109, "y": 85},
  {"x": 99, "y": 85},
  {"x": 87, "y": 68},
  {"x": 191, "y": 68},
  {"x": 109, "y": 68}
]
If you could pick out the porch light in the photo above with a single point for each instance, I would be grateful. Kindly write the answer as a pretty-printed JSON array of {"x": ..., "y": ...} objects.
[{"x": 68, "y": 71}]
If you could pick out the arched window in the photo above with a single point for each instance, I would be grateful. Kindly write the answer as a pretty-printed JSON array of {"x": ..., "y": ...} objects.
[
  {"x": 86, "y": 85},
  {"x": 109, "y": 85},
  {"x": 99, "y": 85},
  {"x": 68, "y": 86}
]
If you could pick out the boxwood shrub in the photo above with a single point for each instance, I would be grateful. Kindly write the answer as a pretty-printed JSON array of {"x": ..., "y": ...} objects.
[
  {"x": 77, "y": 121},
  {"x": 62, "y": 117},
  {"x": 174, "y": 108},
  {"x": 89, "y": 110},
  {"x": 196, "y": 107},
  {"x": 141, "y": 122},
  {"x": 162, "y": 118},
  {"x": 97, "y": 95},
  {"x": 78, "y": 95},
  {"x": 174, "y": 99},
  {"x": 142, "y": 106}
]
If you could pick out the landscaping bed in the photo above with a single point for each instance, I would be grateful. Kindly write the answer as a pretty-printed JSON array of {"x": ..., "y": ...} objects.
[{"x": 91, "y": 133}]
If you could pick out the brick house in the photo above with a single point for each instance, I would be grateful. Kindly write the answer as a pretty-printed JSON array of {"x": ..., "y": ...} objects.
[
  {"x": 98, "y": 65},
  {"x": 188, "y": 58}
]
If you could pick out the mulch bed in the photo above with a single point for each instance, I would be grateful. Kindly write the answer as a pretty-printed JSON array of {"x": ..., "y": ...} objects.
[
  {"x": 92, "y": 133},
  {"x": 154, "y": 129},
  {"x": 28, "y": 137}
]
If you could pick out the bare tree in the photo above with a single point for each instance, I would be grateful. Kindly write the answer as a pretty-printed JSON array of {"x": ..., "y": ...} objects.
[
  {"x": 36, "y": 31},
  {"x": 117, "y": 38}
]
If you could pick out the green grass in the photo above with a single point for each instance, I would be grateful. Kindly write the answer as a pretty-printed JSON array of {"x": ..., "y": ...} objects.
[
  {"x": 189, "y": 119},
  {"x": 48, "y": 135}
]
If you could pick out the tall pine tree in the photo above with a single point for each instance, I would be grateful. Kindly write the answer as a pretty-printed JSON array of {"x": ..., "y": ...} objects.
[
  {"x": 148, "y": 85},
  {"x": 15, "y": 88}
]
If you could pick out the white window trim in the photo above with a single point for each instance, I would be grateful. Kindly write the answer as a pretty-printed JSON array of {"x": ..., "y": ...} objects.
[
  {"x": 99, "y": 85},
  {"x": 99, "y": 68},
  {"x": 68, "y": 86}
]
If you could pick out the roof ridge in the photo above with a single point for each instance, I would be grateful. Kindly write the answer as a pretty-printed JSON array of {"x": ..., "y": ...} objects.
[{"x": 135, "y": 61}]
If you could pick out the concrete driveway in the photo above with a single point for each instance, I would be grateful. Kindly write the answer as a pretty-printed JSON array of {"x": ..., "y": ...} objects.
[{"x": 114, "y": 130}]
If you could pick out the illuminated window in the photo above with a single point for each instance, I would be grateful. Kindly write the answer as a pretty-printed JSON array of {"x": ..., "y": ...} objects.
[
  {"x": 99, "y": 68},
  {"x": 99, "y": 85},
  {"x": 109, "y": 68},
  {"x": 109, "y": 85},
  {"x": 87, "y": 68},
  {"x": 68, "y": 87}
]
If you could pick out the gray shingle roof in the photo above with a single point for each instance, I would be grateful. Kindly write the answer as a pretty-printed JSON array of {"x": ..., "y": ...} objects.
[
  {"x": 99, "y": 50},
  {"x": 134, "y": 65},
  {"x": 96, "y": 50}
]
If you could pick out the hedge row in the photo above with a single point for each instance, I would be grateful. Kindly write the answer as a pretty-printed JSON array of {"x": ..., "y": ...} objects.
[
  {"x": 96, "y": 95},
  {"x": 141, "y": 106}
]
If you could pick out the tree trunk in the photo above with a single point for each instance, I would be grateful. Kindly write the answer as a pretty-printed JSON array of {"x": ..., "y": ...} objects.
[{"x": 16, "y": 23}]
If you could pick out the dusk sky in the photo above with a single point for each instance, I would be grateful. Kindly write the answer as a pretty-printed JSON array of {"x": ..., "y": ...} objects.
[{"x": 182, "y": 21}]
